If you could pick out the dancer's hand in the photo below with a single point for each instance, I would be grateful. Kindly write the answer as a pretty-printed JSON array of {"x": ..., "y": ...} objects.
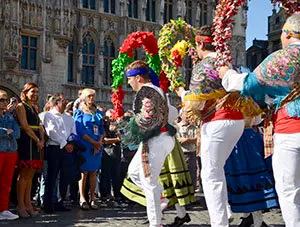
[
  {"x": 179, "y": 91},
  {"x": 222, "y": 71}
]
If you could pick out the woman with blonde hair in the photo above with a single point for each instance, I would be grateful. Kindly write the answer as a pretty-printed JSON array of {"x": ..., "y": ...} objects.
[
  {"x": 30, "y": 145},
  {"x": 90, "y": 129}
]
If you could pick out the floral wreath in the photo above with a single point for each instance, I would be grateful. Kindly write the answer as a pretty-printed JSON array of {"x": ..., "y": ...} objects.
[
  {"x": 172, "y": 53},
  {"x": 134, "y": 40},
  {"x": 225, "y": 11}
]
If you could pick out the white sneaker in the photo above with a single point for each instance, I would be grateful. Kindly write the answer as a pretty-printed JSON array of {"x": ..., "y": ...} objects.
[{"x": 7, "y": 215}]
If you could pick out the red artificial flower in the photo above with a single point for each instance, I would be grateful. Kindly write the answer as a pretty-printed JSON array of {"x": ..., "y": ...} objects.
[
  {"x": 177, "y": 58},
  {"x": 163, "y": 81},
  {"x": 117, "y": 100}
]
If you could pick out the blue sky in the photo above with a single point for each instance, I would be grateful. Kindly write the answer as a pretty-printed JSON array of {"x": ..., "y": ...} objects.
[{"x": 257, "y": 27}]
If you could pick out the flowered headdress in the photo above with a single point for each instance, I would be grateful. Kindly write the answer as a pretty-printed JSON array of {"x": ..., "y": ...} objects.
[{"x": 134, "y": 40}]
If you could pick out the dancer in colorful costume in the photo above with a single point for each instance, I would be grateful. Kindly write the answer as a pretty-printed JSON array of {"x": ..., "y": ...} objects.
[
  {"x": 222, "y": 125},
  {"x": 250, "y": 182},
  {"x": 174, "y": 177},
  {"x": 276, "y": 82},
  {"x": 150, "y": 127}
]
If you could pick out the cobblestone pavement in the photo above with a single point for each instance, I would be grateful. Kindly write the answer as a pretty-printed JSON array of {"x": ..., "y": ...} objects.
[{"x": 107, "y": 215}]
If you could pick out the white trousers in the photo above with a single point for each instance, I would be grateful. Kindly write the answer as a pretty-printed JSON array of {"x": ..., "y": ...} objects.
[
  {"x": 159, "y": 147},
  {"x": 217, "y": 141},
  {"x": 286, "y": 167}
]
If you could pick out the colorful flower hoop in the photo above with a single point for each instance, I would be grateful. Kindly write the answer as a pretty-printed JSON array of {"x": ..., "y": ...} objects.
[
  {"x": 134, "y": 40},
  {"x": 172, "y": 52}
]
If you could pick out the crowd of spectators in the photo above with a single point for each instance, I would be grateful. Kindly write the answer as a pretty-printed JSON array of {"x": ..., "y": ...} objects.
[{"x": 67, "y": 150}]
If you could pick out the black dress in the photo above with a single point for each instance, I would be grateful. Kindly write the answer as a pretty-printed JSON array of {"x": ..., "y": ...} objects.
[{"x": 29, "y": 156}]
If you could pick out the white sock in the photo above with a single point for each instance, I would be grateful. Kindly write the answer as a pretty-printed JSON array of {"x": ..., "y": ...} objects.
[
  {"x": 257, "y": 218},
  {"x": 181, "y": 212}
]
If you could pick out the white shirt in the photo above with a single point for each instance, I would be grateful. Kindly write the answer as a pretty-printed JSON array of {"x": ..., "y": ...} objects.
[{"x": 58, "y": 127}]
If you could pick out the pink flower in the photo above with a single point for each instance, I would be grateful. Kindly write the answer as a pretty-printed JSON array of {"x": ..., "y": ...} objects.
[
  {"x": 282, "y": 73},
  {"x": 294, "y": 52}
]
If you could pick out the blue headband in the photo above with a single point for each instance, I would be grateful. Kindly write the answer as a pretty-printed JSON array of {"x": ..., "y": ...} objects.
[
  {"x": 142, "y": 71},
  {"x": 137, "y": 71}
]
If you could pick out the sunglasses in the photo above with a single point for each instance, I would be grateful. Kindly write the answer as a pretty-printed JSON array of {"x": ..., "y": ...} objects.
[{"x": 4, "y": 100}]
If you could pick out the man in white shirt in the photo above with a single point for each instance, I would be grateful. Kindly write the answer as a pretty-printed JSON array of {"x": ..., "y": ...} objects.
[{"x": 59, "y": 126}]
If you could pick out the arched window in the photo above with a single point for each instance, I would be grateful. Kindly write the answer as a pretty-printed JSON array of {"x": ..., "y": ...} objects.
[
  {"x": 88, "y": 60},
  {"x": 89, "y": 4},
  {"x": 70, "y": 62},
  {"x": 168, "y": 11},
  {"x": 110, "y": 4},
  {"x": 204, "y": 12},
  {"x": 109, "y": 56},
  {"x": 151, "y": 10},
  {"x": 133, "y": 8}
]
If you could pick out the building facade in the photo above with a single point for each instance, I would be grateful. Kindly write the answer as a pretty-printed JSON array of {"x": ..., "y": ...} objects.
[
  {"x": 64, "y": 45},
  {"x": 262, "y": 48}
]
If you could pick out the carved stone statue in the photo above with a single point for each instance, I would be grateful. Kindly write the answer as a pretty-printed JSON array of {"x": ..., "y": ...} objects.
[
  {"x": 57, "y": 25},
  {"x": 40, "y": 18},
  {"x": 80, "y": 57},
  {"x": 144, "y": 4},
  {"x": 6, "y": 11},
  {"x": 66, "y": 25},
  {"x": 7, "y": 43},
  {"x": 198, "y": 12},
  {"x": 181, "y": 8}
]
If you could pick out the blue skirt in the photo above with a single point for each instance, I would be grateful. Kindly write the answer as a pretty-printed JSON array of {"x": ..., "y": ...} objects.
[{"x": 249, "y": 176}]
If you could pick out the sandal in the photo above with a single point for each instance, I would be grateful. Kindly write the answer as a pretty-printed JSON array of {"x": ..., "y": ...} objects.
[
  {"x": 22, "y": 213},
  {"x": 84, "y": 205},
  {"x": 93, "y": 205}
]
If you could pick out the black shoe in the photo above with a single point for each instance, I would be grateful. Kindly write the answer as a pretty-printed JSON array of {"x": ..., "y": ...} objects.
[
  {"x": 60, "y": 207},
  {"x": 180, "y": 221},
  {"x": 246, "y": 222},
  {"x": 144, "y": 221},
  {"x": 48, "y": 209}
]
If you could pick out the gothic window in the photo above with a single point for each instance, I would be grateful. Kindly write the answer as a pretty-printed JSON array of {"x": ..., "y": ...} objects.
[
  {"x": 168, "y": 11},
  {"x": 133, "y": 8},
  {"x": 110, "y": 4},
  {"x": 189, "y": 12},
  {"x": 109, "y": 56},
  {"x": 88, "y": 61},
  {"x": 70, "y": 62},
  {"x": 89, "y": 4},
  {"x": 29, "y": 53},
  {"x": 204, "y": 12},
  {"x": 151, "y": 10}
]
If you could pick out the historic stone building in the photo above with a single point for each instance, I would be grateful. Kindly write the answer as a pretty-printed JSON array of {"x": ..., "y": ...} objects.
[{"x": 64, "y": 45}]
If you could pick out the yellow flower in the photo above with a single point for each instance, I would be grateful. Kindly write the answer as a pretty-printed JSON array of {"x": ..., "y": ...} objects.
[{"x": 181, "y": 46}]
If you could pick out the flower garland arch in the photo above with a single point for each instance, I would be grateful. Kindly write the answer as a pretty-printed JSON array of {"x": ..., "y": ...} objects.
[
  {"x": 172, "y": 52},
  {"x": 225, "y": 11},
  {"x": 134, "y": 40}
]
